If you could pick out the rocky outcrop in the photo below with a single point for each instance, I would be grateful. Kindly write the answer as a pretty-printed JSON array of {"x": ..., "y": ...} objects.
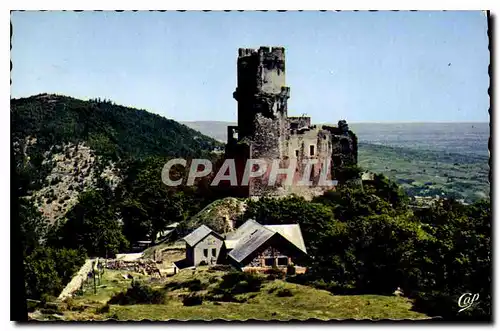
[
  {"x": 75, "y": 167},
  {"x": 219, "y": 215}
]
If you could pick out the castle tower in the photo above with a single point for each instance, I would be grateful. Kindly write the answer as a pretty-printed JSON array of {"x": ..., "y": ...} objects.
[
  {"x": 261, "y": 90},
  {"x": 265, "y": 132}
]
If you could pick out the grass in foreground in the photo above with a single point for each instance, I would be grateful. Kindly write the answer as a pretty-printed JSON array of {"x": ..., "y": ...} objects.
[{"x": 302, "y": 302}]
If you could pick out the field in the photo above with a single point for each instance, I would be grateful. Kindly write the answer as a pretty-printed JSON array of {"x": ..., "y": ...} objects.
[
  {"x": 300, "y": 303},
  {"x": 429, "y": 173}
]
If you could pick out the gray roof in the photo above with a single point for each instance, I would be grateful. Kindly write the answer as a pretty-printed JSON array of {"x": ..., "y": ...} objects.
[
  {"x": 291, "y": 232},
  {"x": 251, "y": 235},
  {"x": 230, "y": 244},
  {"x": 245, "y": 229},
  {"x": 250, "y": 243},
  {"x": 199, "y": 234}
]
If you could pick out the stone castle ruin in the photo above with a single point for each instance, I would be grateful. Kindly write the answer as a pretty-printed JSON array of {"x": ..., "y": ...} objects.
[{"x": 265, "y": 131}]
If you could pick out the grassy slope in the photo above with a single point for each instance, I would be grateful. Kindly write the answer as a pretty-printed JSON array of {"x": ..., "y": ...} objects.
[{"x": 305, "y": 303}]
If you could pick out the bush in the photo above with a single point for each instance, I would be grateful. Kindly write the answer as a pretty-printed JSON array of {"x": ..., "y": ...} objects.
[
  {"x": 192, "y": 300},
  {"x": 50, "y": 311},
  {"x": 277, "y": 273},
  {"x": 290, "y": 270},
  {"x": 222, "y": 267},
  {"x": 196, "y": 285},
  {"x": 222, "y": 295},
  {"x": 103, "y": 310},
  {"x": 139, "y": 293},
  {"x": 284, "y": 292},
  {"x": 240, "y": 282},
  {"x": 270, "y": 277}
]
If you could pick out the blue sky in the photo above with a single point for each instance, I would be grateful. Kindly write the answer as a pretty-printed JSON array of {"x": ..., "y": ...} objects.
[{"x": 358, "y": 66}]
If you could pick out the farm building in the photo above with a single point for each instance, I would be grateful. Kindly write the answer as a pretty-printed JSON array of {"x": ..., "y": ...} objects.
[{"x": 251, "y": 246}]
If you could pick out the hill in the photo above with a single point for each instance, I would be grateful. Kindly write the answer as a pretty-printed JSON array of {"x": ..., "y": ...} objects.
[
  {"x": 109, "y": 129},
  {"x": 63, "y": 145}
]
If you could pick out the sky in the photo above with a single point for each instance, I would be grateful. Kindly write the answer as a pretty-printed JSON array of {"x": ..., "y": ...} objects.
[{"x": 359, "y": 66}]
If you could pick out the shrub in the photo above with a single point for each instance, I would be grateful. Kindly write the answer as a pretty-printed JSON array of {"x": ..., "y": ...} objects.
[
  {"x": 271, "y": 290},
  {"x": 241, "y": 282},
  {"x": 196, "y": 285},
  {"x": 284, "y": 292},
  {"x": 271, "y": 277},
  {"x": 32, "y": 306},
  {"x": 290, "y": 270},
  {"x": 103, "y": 310},
  {"x": 139, "y": 293},
  {"x": 192, "y": 300},
  {"x": 222, "y": 267},
  {"x": 50, "y": 311},
  {"x": 277, "y": 273},
  {"x": 222, "y": 295},
  {"x": 213, "y": 279}
]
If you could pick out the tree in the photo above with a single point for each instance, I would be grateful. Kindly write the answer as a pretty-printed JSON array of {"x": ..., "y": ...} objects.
[
  {"x": 48, "y": 269},
  {"x": 33, "y": 226},
  {"x": 92, "y": 224},
  {"x": 149, "y": 205}
]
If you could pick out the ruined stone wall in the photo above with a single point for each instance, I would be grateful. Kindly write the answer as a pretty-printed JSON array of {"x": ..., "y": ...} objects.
[{"x": 298, "y": 122}]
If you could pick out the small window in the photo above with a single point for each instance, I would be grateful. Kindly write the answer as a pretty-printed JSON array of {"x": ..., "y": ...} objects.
[
  {"x": 269, "y": 262},
  {"x": 205, "y": 252},
  {"x": 296, "y": 153},
  {"x": 214, "y": 252},
  {"x": 282, "y": 261},
  {"x": 311, "y": 150}
]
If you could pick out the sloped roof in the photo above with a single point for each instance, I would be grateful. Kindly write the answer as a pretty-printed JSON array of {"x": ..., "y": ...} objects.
[
  {"x": 230, "y": 244},
  {"x": 245, "y": 229},
  {"x": 251, "y": 235},
  {"x": 291, "y": 232},
  {"x": 199, "y": 234},
  {"x": 249, "y": 243}
]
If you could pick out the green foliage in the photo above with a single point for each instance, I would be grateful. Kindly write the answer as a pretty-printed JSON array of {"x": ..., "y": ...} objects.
[
  {"x": 348, "y": 173},
  {"x": 33, "y": 226},
  {"x": 112, "y": 130},
  {"x": 456, "y": 259},
  {"x": 284, "y": 292},
  {"x": 370, "y": 241},
  {"x": 451, "y": 175},
  {"x": 239, "y": 282},
  {"x": 48, "y": 270},
  {"x": 388, "y": 190},
  {"x": 275, "y": 273},
  {"x": 92, "y": 224},
  {"x": 315, "y": 219},
  {"x": 192, "y": 300},
  {"x": 139, "y": 293},
  {"x": 147, "y": 205}
]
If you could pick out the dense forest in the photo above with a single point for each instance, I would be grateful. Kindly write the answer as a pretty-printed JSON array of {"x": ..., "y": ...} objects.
[
  {"x": 111, "y": 130},
  {"x": 360, "y": 239}
]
